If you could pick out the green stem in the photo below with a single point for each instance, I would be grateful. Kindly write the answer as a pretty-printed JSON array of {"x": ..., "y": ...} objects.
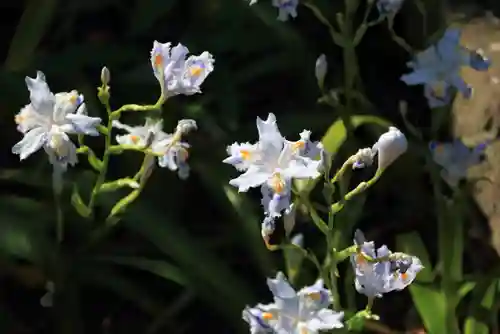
[
  {"x": 336, "y": 207},
  {"x": 114, "y": 115},
  {"x": 342, "y": 170},
  {"x": 105, "y": 161}
]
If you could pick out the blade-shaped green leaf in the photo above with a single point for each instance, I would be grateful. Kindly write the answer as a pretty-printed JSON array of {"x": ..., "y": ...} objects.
[
  {"x": 431, "y": 305},
  {"x": 485, "y": 294}
]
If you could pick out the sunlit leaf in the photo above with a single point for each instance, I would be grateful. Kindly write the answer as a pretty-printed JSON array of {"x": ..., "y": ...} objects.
[
  {"x": 484, "y": 296},
  {"x": 431, "y": 305}
]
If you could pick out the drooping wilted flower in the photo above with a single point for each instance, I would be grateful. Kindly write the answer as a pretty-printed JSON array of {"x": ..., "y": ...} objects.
[
  {"x": 178, "y": 74},
  {"x": 381, "y": 273},
  {"x": 151, "y": 135},
  {"x": 389, "y": 7},
  {"x": 48, "y": 120},
  {"x": 286, "y": 8},
  {"x": 455, "y": 158},
  {"x": 438, "y": 68},
  {"x": 305, "y": 311}
]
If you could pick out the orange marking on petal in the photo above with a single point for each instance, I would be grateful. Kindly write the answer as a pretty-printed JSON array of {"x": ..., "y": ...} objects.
[
  {"x": 134, "y": 138},
  {"x": 183, "y": 154},
  {"x": 404, "y": 276},
  {"x": 267, "y": 316},
  {"x": 245, "y": 154},
  {"x": 158, "y": 60},
  {"x": 195, "y": 70},
  {"x": 315, "y": 296},
  {"x": 360, "y": 259},
  {"x": 18, "y": 119},
  {"x": 277, "y": 184},
  {"x": 299, "y": 145}
]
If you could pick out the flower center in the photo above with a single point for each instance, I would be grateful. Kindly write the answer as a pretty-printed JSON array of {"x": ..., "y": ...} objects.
[
  {"x": 19, "y": 119},
  {"x": 245, "y": 154},
  {"x": 299, "y": 145},
  {"x": 158, "y": 60},
  {"x": 277, "y": 184},
  {"x": 134, "y": 139},
  {"x": 195, "y": 70},
  {"x": 267, "y": 316}
]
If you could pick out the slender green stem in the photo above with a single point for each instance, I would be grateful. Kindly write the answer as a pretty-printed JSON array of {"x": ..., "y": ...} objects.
[
  {"x": 342, "y": 170},
  {"x": 105, "y": 160},
  {"x": 336, "y": 207},
  {"x": 114, "y": 115}
]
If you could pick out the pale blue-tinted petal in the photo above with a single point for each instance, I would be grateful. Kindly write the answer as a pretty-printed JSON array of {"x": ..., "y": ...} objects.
[
  {"x": 419, "y": 76},
  {"x": 254, "y": 317},
  {"x": 183, "y": 171},
  {"x": 302, "y": 169},
  {"x": 168, "y": 161},
  {"x": 82, "y": 124},
  {"x": 279, "y": 203},
  {"x": 268, "y": 130},
  {"x": 159, "y": 54},
  {"x": 280, "y": 287},
  {"x": 478, "y": 62},
  {"x": 267, "y": 228},
  {"x": 41, "y": 97},
  {"x": 456, "y": 80},
  {"x": 434, "y": 100},
  {"x": 448, "y": 46},
  {"x": 241, "y": 155},
  {"x": 449, "y": 178},
  {"x": 252, "y": 178},
  {"x": 315, "y": 296},
  {"x": 61, "y": 150},
  {"x": 386, "y": 7},
  {"x": 197, "y": 69},
  {"x": 325, "y": 319},
  {"x": 442, "y": 153},
  {"x": 32, "y": 141}
]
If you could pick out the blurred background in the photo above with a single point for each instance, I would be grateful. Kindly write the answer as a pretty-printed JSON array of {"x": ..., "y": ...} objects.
[{"x": 188, "y": 255}]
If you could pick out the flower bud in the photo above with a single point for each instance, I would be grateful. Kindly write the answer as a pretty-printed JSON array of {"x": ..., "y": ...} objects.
[
  {"x": 185, "y": 126},
  {"x": 320, "y": 70},
  {"x": 389, "y": 147},
  {"x": 105, "y": 76}
]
